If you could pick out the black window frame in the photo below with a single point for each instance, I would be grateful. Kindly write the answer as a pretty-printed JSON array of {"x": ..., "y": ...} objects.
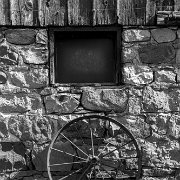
[{"x": 118, "y": 58}]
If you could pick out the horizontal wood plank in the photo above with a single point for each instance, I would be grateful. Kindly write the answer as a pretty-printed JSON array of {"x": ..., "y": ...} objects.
[{"x": 83, "y": 12}]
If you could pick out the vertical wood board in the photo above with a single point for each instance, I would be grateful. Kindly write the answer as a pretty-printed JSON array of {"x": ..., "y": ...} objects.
[
  {"x": 79, "y": 12},
  {"x": 53, "y": 12},
  {"x": 131, "y": 12},
  {"x": 104, "y": 12},
  {"x": 36, "y": 13},
  {"x": 125, "y": 12},
  {"x": 151, "y": 12},
  {"x": 26, "y": 12},
  {"x": 15, "y": 12},
  {"x": 177, "y": 5},
  {"x": 6, "y": 5},
  {"x": 5, "y": 12}
]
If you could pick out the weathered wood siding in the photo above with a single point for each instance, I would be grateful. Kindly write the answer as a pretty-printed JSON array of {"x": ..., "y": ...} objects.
[
  {"x": 80, "y": 12},
  {"x": 104, "y": 12}
]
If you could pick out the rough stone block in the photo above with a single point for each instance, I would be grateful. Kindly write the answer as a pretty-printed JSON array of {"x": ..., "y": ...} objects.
[
  {"x": 173, "y": 129},
  {"x": 163, "y": 35},
  {"x": 1, "y": 36},
  {"x": 134, "y": 35},
  {"x": 29, "y": 178},
  {"x": 30, "y": 127},
  {"x": 160, "y": 101},
  {"x": 178, "y": 33},
  {"x": 6, "y": 165},
  {"x": 135, "y": 124},
  {"x": 163, "y": 147},
  {"x": 3, "y": 77},
  {"x": 157, "y": 172},
  {"x": 20, "y": 36},
  {"x": 158, "y": 178},
  {"x": 159, "y": 122},
  {"x": 61, "y": 104},
  {"x": 165, "y": 76},
  {"x": 178, "y": 75},
  {"x": 151, "y": 156},
  {"x": 48, "y": 91},
  {"x": 134, "y": 104},
  {"x": 3, "y": 129},
  {"x": 105, "y": 99},
  {"x": 135, "y": 100},
  {"x": 10, "y": 161},
  {"x": 8, "y": 55},
  {"x": 20, "y": 103},
  {"x": 34, "y": 54},
  {"x": 178, "y": 57},
  {"x": 33, "y": 78},
  {"x": 131, "y": 54},
  {"x": 156, "y": 54},
  {"x": 24, "y": 175},
  {"x": 137, "y": 74},
  {"x": 175, "y": 155},
  {"x": 42, "y": 37}
]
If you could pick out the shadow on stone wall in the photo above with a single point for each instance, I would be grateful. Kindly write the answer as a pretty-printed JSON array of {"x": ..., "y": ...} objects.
[
  {"x": 13, "y": 156},
  {"x": 17, "y": 161}
]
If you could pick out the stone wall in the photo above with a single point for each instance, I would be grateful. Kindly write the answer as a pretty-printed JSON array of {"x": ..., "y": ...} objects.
[{"x": 147, "y": 103}]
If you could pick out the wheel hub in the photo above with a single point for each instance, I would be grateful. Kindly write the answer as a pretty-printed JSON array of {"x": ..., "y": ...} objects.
[{"x": 94, "y": 159}]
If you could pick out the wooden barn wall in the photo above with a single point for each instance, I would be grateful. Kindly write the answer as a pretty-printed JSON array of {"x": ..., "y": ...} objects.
[{"x": 79, "y": 12}]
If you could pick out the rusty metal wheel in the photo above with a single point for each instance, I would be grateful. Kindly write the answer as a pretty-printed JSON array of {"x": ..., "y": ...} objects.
[{"x": 93, "y": 147}]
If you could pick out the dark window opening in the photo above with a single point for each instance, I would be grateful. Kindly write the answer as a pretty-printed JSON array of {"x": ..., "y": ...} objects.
[{"x": 85, "y": 57}]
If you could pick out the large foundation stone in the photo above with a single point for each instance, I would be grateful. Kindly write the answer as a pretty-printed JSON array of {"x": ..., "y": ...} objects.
[
  {"x": 61, "y": 104},
  {"x": 105, "y": 99},
  {"x": 20, "y": 36}
]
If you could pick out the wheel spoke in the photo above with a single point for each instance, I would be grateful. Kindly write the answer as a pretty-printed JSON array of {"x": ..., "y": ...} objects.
[
  {"x": 128, "y": 157},
  {"x": 99, "y": 141},
  {"x": 108, "y": 165},
  {"x": 67, "y": 153},
  {"x": 74, "y": 144},
  {"x": 79, "y": 162},
  {"x": 101, "y": 173},
  {"x": 125, "y": 158},
  {"x": 92, "y": 172},
  {"x": 81, "y": 138},
  {"x": 104, "y": 138},
  {"x": 95, "y": 173},
  {"x": 71, "y": 174},
  {"x": 92, "y": 142},
  {"x": 117, "y": 148},
  {"x": 108, "y": 173},
  {"x": 104, "y": 149},
  {"x": 85, "y": 172}
]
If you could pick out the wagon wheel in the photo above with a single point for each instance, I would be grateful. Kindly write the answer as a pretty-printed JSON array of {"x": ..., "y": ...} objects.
[{"x": 93, "y": 147}]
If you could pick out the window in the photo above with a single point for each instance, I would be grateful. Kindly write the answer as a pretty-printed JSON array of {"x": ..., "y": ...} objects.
[{"x": 84, "y": 56}]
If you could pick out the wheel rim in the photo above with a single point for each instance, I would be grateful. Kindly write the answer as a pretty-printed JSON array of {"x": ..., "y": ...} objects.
[{"x": 93, "y": 147}]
